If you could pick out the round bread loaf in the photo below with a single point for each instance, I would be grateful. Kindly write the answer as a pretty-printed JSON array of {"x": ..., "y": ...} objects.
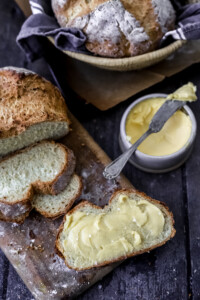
[{"x": 117, "y": 28}]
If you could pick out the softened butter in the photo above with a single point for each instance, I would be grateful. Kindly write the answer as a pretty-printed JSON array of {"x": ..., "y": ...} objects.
[
  {"x": 173, "y": 136},
  {"x": 117, "y": 230},
  {"x": 186, "y": 92}
]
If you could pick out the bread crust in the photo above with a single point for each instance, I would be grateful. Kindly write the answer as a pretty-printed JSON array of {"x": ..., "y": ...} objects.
[
  {"x": 160, "y": 204},
  {"x": 63, "y": 179},
  {"x": 55, "y": 216},
  {"x": 143, "y": 11},
  {"x": 27, "y": 99},
  {"x": 53, "y": 187}
]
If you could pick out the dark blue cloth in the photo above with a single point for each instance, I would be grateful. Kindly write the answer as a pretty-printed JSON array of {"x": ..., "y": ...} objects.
[{"x": 71, "y": 39}]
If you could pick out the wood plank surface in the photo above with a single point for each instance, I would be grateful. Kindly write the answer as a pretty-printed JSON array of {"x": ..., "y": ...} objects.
[
  {"x": 3, "y": 277},
  {"x": 170, "y": 272},
  {"x": 192, "y": 207}
]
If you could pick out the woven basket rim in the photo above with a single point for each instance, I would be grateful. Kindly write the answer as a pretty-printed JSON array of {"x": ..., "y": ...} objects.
[
  {"x": 102, "y": 61},
  {"x": 127, "y": 63}
]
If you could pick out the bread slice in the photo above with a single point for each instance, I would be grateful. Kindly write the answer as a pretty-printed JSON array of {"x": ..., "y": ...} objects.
[
  {"x": 44, "y": 168},
  {"x": 131, "y": 232},
  {"x": 55, "y": 206},
  {"x": 50, "y": 206},
  {"x": 31, "y": 109}
]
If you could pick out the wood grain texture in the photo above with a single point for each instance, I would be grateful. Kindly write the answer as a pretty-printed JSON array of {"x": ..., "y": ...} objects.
[
  {"x": 171, "y": 272},
  {"x": 192, "y": 208},
  {"x": 3, "y": 277}
]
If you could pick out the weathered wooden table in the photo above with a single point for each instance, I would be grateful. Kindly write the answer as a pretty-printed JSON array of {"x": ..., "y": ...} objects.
[{"x": 170, "y": 272}]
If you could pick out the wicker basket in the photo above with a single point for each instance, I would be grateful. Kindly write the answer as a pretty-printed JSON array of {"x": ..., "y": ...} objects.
[{"x": 127, "y": 63}]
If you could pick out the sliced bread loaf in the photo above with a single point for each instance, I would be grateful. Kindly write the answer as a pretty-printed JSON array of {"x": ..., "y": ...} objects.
[
  {"x": 31, "y": 109},
  {"x": 131, "y": 224},
  {"x": 45, "y": 168},
  {"x": 57, "y": 205}
]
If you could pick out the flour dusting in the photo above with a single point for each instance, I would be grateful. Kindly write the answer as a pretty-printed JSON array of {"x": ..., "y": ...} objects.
[
  {"x": 61, "y": 3},
  {"x": 165, "y": 13},
  {"x": 107, "y": 22},
  {"x": 18, "y": 70}
]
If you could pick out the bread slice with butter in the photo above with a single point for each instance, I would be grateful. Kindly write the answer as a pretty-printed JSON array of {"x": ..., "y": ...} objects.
[
  {"x": 31, "y": 109},
  {"x": 131, "y": 224},
  {"x": 54, "y": 206},
  {"x": 44, "y": 168}
]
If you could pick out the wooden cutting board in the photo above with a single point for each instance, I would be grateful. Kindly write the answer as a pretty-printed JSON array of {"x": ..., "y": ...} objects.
[{"x": 30, "y": 246}]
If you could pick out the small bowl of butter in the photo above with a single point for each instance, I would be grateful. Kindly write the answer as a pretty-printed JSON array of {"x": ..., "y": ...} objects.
[{"x": 168, "y": 149}]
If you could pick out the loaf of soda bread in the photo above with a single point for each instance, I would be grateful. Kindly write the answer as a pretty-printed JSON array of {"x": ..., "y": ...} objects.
[{"x": 117, "y": 28}]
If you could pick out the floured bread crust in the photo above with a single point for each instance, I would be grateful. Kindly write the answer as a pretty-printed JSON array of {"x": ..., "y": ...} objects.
[
  {"x": 27, "y": 99},
  {"x": 117, "y": 28}
]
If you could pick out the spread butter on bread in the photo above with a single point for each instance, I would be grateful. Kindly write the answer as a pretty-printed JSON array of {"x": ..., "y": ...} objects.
[{"x": 131, "y": 224}]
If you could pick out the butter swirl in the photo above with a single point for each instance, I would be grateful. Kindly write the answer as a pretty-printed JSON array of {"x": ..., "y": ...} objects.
[{"x": 117, "y": 230}]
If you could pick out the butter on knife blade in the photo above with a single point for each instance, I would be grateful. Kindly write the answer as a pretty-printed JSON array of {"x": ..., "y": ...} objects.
[{"x": 185, "y": 93}]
